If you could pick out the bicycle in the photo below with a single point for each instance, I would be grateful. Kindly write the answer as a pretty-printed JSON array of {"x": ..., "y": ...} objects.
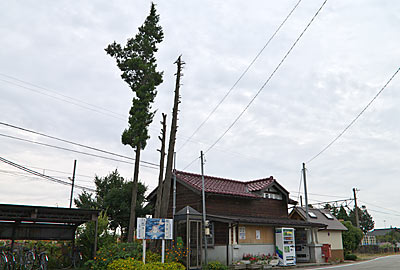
[
  {"x": 7, "y": 259},
  {"x": 32, "y": 259},
  {"x": 70, "y": 258}
]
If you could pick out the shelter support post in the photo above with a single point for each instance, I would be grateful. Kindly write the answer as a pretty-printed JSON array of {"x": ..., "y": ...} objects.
[{"x": 95, "y": 236}]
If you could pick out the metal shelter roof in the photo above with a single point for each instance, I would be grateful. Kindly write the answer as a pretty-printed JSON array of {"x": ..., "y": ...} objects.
[{"x": 26, "y": 222}]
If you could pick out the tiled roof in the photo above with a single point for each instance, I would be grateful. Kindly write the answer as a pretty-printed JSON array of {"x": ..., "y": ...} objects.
[
  {"x": 225, "y": 186},
  {"x": 320, "y": 217}
]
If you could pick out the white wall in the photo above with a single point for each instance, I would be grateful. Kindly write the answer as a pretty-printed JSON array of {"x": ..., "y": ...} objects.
[{"x": 331, "y": 237}]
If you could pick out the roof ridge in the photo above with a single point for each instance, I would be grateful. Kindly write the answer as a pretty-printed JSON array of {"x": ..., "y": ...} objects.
[{"x": 226, "y": 179}]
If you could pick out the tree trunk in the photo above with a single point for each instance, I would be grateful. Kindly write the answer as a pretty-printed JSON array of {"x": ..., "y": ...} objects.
[
  {"x": 132, "y": 217},
  {"x": 168, "y": 173},
  {"x": 157, "y": 208}
]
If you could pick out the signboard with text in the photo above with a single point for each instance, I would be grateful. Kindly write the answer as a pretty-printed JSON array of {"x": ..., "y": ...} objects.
[{"x": 154, "y": 228}]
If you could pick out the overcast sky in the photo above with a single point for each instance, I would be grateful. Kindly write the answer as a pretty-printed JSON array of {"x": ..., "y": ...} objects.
[{"x": 54, "y": 70}]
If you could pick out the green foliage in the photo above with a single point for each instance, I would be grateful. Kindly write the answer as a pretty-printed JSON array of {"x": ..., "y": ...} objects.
[
  {"x": 351, "y": 238},
  {"x": 114, "y": 195},
  {"x": 365, "y": 219},
  {"x": 177, "y": 253},
  {"x": 342, "y": 214},
  {"x": 351, "y": 257},
  {"x": 115, "y": 251},
  {"x": 138, "y": 65},
  {"x": 130, "y": 264},
  {"x": 86, "y": 235},
  {"x": 392, "y": 237},
  {"x": 215, "y": 266},
  {"x": 152, "y": 257}
]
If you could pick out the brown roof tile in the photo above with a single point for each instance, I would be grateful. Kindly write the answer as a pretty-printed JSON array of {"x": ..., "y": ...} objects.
[{"x": 225, "y": 186}]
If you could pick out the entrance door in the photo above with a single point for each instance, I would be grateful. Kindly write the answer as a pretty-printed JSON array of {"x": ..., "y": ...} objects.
[{"x": 194, "y": 244}]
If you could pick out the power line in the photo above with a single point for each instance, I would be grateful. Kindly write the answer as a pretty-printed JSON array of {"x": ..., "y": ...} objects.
[
  {"x": 241, "y": 76},
  {"x": 74, "y": 143},
  {"x": 71, "y": 150},
  {"x": 266, "y": 82},
  {"x": 57, "y": 93},
  {"x": 355, "y": 119},
  {"x": 43, "y": 175},
  {"x": 64, "y": 100}
]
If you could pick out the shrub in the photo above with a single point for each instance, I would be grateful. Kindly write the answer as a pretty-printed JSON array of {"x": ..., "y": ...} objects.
[
  {"x": 130, "y": 264},
  {"x": 177, "y": 253},
  {"x": 215, "y": 266},
  {"x": 108, "y": 254},
  {"x": 351, "y": 257}
]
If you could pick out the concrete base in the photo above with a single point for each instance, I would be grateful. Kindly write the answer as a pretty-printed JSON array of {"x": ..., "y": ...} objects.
[{"x": 316, "y": 253}]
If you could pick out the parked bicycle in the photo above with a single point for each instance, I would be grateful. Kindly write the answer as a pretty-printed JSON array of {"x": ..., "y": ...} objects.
[
  {"x": 7, "y": 259},
  {"x": 34, "y": 259},
  {"x": 70, "y": 258}
]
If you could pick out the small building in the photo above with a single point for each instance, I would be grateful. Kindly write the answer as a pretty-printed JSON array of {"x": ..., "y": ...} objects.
[
  {"x": 368, "y": 240},
  {"x": 243, "y": 215},
  {"x": 331, "y": 234}
]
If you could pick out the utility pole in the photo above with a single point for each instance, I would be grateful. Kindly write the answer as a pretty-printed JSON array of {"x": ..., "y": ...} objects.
[
  {"x": 172, "y": 137},
  {"x": 73, "y": 183},
  {"x": 356, "y": 207},
  {"x": 157, "y": 208},
  {"x": 204, "y": 208},
  {"x": 305, "y": 190},
  {"x": 174, "y": 189}
]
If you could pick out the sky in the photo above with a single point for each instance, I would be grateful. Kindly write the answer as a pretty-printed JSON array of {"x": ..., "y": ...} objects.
[{"x": 56, "y": 79}]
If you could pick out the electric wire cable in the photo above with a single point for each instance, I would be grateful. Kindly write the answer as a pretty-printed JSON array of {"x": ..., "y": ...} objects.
[
  {"x": 62, "y": 99},
  {"x": 265, "y": 83},
  {"x": 74, "y": 151},
  {"x": 74, "y": 143},
  {"x": 57, "y": 93},
  {"x": 355, "y": 119},
  {"x": 241, "y": 76},
  {"x": 43, "y": 175}
]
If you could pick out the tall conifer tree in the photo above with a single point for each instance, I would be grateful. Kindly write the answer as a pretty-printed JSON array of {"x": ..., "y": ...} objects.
[{"x": 138, "y": 65}]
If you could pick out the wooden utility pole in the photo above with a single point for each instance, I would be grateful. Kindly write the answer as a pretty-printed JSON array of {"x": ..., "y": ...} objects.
[
  {"x": 204, "y": 208},
  {"x": 172, "y": 137},
  {"x": 161, "y": 174},
  {"x": 72, "y": 187},
  {"x": 356, "y": 208}
]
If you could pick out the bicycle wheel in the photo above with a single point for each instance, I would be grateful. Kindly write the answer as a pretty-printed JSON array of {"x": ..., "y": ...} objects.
[
  {"x": 3, "y": 262},
  {"x": 44, "y": 260},
  {"x": 11, "y": 261},
  {"x": 29, "y": 260},
  {"x": 77, "y": 260}
]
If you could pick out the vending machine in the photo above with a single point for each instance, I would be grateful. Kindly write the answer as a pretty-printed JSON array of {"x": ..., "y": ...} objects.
[{"x": 285, "y": 246}]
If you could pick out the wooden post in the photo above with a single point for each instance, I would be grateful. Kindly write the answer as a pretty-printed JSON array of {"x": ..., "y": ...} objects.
[{"x": 171, "y": 146}]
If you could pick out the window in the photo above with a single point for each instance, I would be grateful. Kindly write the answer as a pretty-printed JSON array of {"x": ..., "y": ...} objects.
[
  {"x": 311, "y": 214},
  {"x": 258, "y": 235},
  {"x": 328, "y": 216},
  {"x": 242, "y": 233},
  {"x": 273, "y": 196}
]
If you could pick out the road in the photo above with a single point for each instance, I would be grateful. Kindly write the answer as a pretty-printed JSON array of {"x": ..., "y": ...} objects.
[{"x": 386, "y": 263}]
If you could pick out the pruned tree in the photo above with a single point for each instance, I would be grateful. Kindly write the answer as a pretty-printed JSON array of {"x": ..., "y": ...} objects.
[
  {"x": 172, "y": 139},
  {"x": 157, "y": 207},
  {"x": 138, "y": 65}
]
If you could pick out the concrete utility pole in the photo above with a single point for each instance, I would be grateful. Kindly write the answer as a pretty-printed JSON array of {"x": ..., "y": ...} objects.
[
  {"x": 356, "y": 207},
  {"x": 73, "y": 183},
  {"x": 305, "y": 190},
  {"x": 204, "y": 208}
]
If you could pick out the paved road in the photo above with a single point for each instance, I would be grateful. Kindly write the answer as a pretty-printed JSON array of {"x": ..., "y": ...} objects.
[{"x": 384, "y": 263}]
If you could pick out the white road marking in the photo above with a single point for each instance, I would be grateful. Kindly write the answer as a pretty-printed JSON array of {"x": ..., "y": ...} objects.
[{"x": 349, "y": 265}]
